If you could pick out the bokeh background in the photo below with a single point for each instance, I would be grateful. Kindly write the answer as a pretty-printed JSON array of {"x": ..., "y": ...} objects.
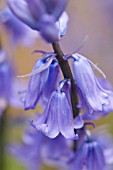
[{"x": 91, "y": 18}]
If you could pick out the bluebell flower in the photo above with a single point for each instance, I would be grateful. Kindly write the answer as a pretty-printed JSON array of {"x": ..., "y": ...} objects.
[
  {"x": 38, "y": 14},
  {"x": 89, "y": 157},
  {"x": 57, "y": 117},
  {"x": 94, "y": 150},
  {"x": 35, "y": 86},
  {"x": 42, "y": 83},
  {"x": 102, "y": 135},
  {"x": 17, "y": 31},
  {"x": 35, "y": 150},
  {"x": 92, "y": 93}
]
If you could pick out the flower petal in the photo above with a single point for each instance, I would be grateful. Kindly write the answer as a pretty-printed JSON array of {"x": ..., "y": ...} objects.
[
  {"x": 21, "y": 10},
  {"x": 48, "y": 122},
  {"x": 36, "y": 86},
  {"x": 65, "y": 117}
]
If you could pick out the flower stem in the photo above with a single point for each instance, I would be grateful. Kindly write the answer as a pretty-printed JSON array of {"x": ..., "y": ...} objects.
[{"x": 66, "y": 70}]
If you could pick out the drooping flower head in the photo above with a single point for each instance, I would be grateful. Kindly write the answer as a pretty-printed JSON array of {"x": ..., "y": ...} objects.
[
  {"x": 95, "y": 98},
  {"x": 39, "y": 14},
  {"x": 57, "y": 117},
  {"x": 43, "y": 81},
  {"x": 94, "y": 151}
]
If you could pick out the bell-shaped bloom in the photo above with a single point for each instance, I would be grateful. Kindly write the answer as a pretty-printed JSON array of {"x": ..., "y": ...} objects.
[
  {"x": 42, "y": 83},
  {"x": 89, "y": 157},
  {"x": 57, "y": 117},
  {"x": 94, "y": 150},
  {"x": 35, "y": 149},
  {"x": 40, "y": 14},
  {"x": 35, "y": 86},
  {"x": 92, "y": 93},
  {"x": 17, "y": 31}
]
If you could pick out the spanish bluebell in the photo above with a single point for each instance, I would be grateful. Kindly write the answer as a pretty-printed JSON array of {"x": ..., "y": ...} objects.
[
  {"x": 17, "y": 31},
  {"x": 102, "y": 135},
  {"x": 89, "y": 157},
  {"x": 44, "y": 79},
  {"x": 38, "y": 14},
  {"x": 57, "y": 117},
  {"x": 36, "y": 85},
  {"x": 93, "y": 95}
]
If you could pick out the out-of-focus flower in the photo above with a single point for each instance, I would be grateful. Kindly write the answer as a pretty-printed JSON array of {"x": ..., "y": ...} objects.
[
  {"x": 17, "y": 31},
  {"x": 35, "y": 150},
  {"x": 8, "y": 83},
  {"x": 94, "y": 150},
  {"x": 29, "y": 151},
  {"x": 39, "y": 14},
  {"x": 94, "y": 97},
  {"x": 102, "y": 135},
  {"x": 61, "y": 152},
  {"x": 89, "y": 157}
]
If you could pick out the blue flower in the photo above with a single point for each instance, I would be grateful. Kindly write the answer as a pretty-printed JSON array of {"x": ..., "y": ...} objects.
[
  {"x": 35, "y": 149},
  {"x": 17, "y": 31},
  {"x": 38, "y": 14},
  {"x": 92, "y": 93},
  {"x": 57, "y": 117},
  {"x": 42, "y": 83},
  {"x": 89, "y": 157}
]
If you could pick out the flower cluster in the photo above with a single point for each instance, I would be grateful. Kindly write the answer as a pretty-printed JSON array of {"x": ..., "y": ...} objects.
[{"x": 71, "y": 95}]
